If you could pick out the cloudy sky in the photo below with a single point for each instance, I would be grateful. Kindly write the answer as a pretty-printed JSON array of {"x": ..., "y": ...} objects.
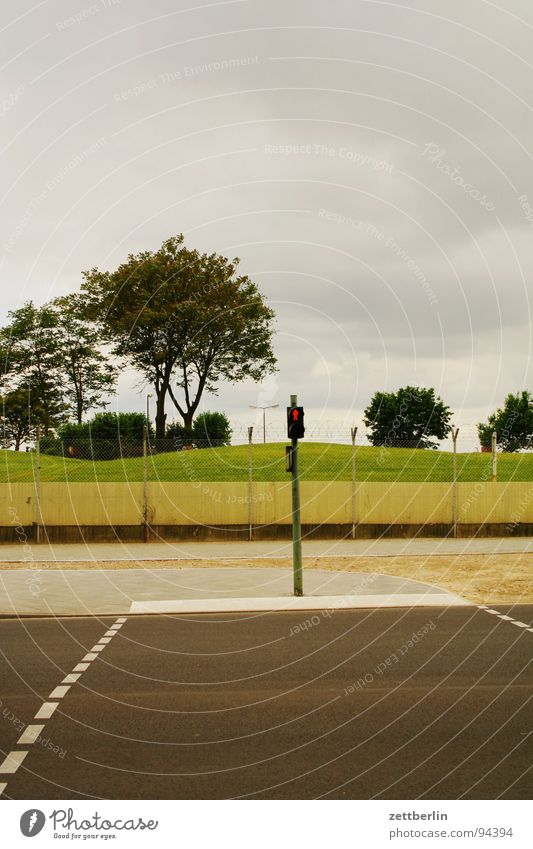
[{"x": 369, "y": 161}]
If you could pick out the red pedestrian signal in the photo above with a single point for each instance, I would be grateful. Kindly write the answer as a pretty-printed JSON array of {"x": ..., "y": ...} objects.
[{"x": 295, "y": 422}]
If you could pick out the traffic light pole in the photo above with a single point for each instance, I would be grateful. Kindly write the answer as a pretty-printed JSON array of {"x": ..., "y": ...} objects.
[{"x": 296, "y": 520}]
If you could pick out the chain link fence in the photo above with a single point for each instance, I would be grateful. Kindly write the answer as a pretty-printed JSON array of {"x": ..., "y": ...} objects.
[{"x": 207, "y": 462}]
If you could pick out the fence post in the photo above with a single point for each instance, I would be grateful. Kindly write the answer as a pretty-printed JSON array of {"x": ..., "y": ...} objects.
[
  {"x": 455, "y": 433},
  {"x": 145, "y": 483},
  {"x": 250, "y": 485},
  {"x": 38, "y": 512},
  {"x": 494, "y": 446},
  {"x": 354, "y": 434}
]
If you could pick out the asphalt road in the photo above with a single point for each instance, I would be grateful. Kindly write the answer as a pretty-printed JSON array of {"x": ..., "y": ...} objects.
[{"x": 264, "y": 706}]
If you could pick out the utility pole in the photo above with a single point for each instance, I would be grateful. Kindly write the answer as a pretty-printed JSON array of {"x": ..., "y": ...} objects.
[
  {"x": 455, "y": 434},
  {"x": 267, "y": 407},
  {"x": 295, "y": 430}
]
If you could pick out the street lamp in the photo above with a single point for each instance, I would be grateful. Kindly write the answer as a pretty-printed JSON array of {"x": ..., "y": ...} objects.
[{"x": 267, "y": 407}]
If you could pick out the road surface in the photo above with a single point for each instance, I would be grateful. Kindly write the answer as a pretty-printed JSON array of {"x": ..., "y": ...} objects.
[{"x": 429, "y": 703}]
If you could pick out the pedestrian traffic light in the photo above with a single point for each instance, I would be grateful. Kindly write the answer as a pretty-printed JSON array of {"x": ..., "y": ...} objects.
[{"x": 295, "y": 422}]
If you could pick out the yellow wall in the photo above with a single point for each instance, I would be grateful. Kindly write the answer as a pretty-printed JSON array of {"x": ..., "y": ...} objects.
[
  {"x": 227, "y": 503},
  {"x": 17, "y": 504},
  {"x": 92, "y": 504},
  {"x": 495, "y": 502}
]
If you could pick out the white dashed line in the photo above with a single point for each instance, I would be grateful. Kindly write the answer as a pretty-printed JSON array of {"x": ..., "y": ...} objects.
[
  {"x": 71, "y": 678},
  {"x": 506, "y": 618},
  {"x": 59, "y": 692},
  {"x": 12, "y": 762},
  {"x": 46, "y": 711},
  {"x": 29, "y": 735}
]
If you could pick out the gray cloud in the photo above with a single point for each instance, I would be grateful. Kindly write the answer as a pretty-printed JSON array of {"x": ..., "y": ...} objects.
[{"x": 370, "y": 164}]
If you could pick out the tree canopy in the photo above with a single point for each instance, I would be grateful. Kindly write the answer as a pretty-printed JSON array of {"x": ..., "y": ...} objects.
[
  {"x": 50, "y": 357},
  {"x": 185, "y": 321},
  {"x": 411, "y": 418},
  {"x": 513, "y": 424}
]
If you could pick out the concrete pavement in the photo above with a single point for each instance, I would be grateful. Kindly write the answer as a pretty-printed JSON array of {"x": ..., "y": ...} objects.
[
  {"x": 143, "y": 590},
  {"x": 187, "y": 550}
]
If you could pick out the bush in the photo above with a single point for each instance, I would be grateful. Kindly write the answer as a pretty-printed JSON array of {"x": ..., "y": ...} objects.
[
  {"x": 213, "y": 428},
  {"x": 107, "y": 436}
]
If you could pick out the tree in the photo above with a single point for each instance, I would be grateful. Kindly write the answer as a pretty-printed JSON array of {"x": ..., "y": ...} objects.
[
  {"x": 407, "y": 418},
  {"x": 88, "y": 376},
  {"x": 185, "y": 321},
  {"x": 114, "y": 425},
  {"x": 213, "y": 428},
  {"x": 52, "y": 352},
  {"x": 513, "y": 424},
  {"x": 16, "y": 418},
  {"x": 30, "y": 362}
]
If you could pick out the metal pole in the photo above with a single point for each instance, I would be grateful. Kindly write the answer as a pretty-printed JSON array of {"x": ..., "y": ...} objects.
[
  {"x": 264, "y": 426},
  {"x": 354, "y": 434},
  {"x": 455, "y": 433},
  {"x": 38, "y": 513},
  {"x": 145, "y": 483},
  {"x": 250, "y": 485},
  {"x": 296, "y": 518},
  {"x": 494, "y": 445}
]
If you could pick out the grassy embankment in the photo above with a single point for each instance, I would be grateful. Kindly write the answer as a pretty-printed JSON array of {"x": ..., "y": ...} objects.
[{"x": 318, "y": 461}]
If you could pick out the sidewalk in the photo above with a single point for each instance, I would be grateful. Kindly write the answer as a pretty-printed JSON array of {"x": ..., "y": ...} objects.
[
  {"x": 94, "y": 592},
  {"x": 101, "y": 552}
]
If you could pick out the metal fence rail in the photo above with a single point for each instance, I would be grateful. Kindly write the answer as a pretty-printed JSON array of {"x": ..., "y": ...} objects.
[{"x": 208, "y": 463}]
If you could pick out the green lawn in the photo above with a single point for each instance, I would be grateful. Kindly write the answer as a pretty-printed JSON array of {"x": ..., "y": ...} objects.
[{"x": 318, "y": 461}]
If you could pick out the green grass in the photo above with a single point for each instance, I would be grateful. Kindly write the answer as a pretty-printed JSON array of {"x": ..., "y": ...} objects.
[{"x": 318, "y": 461}]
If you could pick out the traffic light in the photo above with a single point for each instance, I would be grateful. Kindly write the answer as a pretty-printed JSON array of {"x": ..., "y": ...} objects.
[{"x": 295, "y": 422}]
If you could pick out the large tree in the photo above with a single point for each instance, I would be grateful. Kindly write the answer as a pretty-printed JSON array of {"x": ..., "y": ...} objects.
[
  {"x": 30, "y": 362},
  {"x": 409, "y": 418},
  {"x": 513, "y": 424},
  {"x": 89, "y": 376},
  {"x": 52, "y": 353},
  {"x": 185, "y": 321}
]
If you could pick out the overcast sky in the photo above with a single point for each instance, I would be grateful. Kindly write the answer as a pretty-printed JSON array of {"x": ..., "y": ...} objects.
[{"x": 370, "y": 162}]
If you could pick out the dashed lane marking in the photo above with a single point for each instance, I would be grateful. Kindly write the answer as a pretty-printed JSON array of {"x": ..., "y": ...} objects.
[
  {"x": 71, "y": 678},
  {"x": 12, "y": 762},
  {"x": 505, "y": 617},
  {"x": 31, "y": 733},
  {"x": 59, "y": 692},
  {"x": 46, "y": 711}
]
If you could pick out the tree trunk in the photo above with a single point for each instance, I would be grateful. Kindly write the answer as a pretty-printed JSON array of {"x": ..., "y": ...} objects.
[
  {"x": 161, "y": 416},
  {"x": 188, "y": 419}
]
